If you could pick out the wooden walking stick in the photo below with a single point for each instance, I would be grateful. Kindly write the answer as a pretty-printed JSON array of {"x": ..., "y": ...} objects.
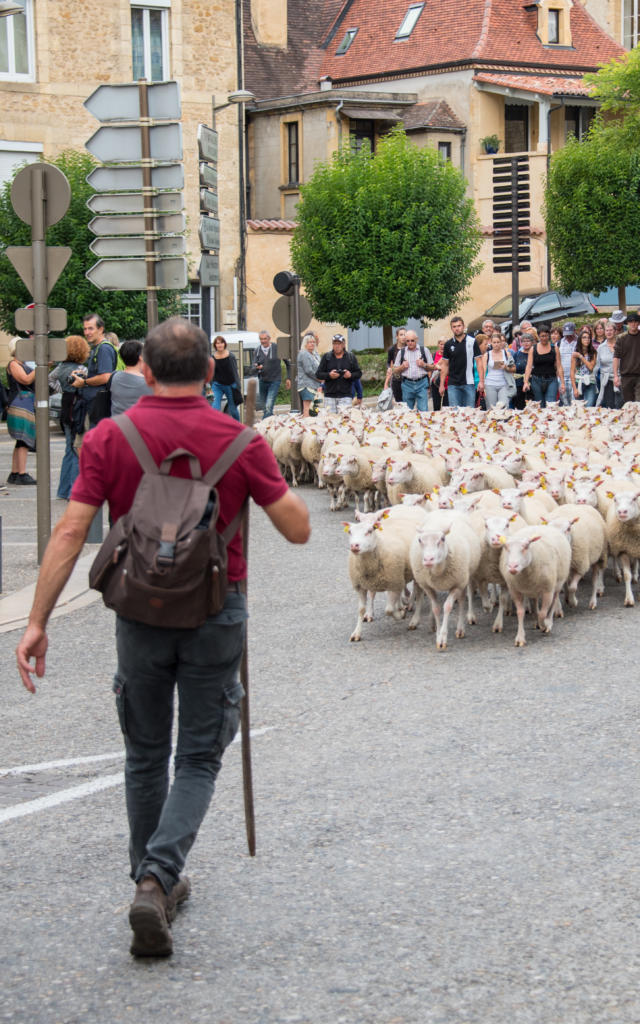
[{"x": 245, "y": 725}]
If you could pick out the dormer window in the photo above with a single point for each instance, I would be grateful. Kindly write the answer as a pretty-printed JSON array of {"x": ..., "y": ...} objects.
[
  {"x": 348, "y": 38},
  {"x": 554, "y": 25},
  {"x": 409, "y": 21}
]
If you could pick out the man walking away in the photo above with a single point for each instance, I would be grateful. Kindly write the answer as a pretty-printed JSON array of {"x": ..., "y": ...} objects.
[
  {"x": 202, "y": 662},
  {"x": 457, "y": 361},
  {"x": 128, "y": 385}
]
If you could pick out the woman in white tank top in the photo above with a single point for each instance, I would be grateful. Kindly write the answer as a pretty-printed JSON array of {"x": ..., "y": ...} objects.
[{"x": 498, "y": 363}]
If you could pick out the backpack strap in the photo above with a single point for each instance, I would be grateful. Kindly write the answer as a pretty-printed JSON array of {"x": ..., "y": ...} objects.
[
  {"x": 229, "y": 456},
  {"x": 144, "y": 456}
]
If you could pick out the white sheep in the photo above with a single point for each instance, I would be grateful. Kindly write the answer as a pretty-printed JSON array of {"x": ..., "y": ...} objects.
[
  {"x": 589, "y": 548},
  {"x": 413, "y": 474},
  {"x": 379, "y": 559},
  {"x": 535, "y": 562},
  {"x": 623, "y": 535},
  {"x": 497, "y": 526},
  {"x": 444, "y": 556}
]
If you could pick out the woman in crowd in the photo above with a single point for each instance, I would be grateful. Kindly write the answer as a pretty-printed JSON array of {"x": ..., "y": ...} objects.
[
  {"x": 308, "y": 383},
  {"x": 21, "y": 422},
  {"x": 225, "y": 377},
  {"x": 543, "y": 375},
  {"x": 599, "y": 332},
  {"x": 583, "y": 361},
  {"x": 437, "y": 400},
  {"x": 604, "y": 366},
  {"x": 520, "y": 360},
  {"x": 498, "y": 362},
  {"x": 77, "y": 355}
]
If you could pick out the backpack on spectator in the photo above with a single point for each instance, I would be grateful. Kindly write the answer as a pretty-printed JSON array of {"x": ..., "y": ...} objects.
[{"x": 164, "y": 562}]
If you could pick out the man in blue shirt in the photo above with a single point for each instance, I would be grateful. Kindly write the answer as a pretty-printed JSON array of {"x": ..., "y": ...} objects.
[{"x": 102, "y": 362}]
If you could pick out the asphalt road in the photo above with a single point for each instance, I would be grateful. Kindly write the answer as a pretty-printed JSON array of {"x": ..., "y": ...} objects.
[{"x": 442, "y": 837}]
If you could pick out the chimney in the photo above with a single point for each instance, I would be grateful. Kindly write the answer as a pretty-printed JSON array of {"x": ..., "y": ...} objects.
[{"x": 269, "y": 22}]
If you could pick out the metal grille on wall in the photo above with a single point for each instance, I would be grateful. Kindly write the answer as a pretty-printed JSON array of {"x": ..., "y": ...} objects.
[{"x": 511, "y": 199}]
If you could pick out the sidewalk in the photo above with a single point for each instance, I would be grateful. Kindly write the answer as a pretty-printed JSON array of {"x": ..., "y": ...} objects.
[{"x": 15, "y": 607}]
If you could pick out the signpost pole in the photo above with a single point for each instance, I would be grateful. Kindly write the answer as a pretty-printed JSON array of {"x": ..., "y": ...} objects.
[
  {"x": 149, "y": 213},
  {"x": 41, "y": 344}
]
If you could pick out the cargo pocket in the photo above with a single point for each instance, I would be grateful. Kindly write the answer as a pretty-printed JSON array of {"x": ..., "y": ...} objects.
[
  {"x": 230, "y": 718},
  {"x": 118, "y": 690}
]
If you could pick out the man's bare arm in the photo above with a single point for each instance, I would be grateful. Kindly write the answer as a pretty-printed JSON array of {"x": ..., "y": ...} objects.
[
  {"x": 62, "y": 551},
  {"x": 290, "y": 516}
]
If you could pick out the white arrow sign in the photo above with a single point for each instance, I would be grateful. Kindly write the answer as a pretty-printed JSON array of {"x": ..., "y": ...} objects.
[
  {"x": 209, "y": 232},
  {"x": 129, "y": 179},
  {"x": 207, "y": 143},
  {"x": 134, "y": 245},
  {"x": 133, "y": 224},
  {"x": 134, "y": 202},
  {"x": 122, "y": 102},
  {"x": 131, "y": 275},
  {"x": 124, "y": 144}
]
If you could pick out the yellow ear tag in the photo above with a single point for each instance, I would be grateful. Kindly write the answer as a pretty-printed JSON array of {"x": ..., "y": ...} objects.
[
  {"x": 463, "y": 489},
  {"x": 346, "y": 529},
  {"x": 377, "y": 526},
  {"x": 610, "y": 495},
  {"x": 386, "y": 514},
  {"x": 502, "y": 539}
]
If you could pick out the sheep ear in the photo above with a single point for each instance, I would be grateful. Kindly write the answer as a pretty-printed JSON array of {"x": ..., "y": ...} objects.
[
  {"x": 357, "y": 514},
  {"x": 543, "y": 520},
  {"x": 532, "y": 539},
  {"x": 610, "y": 495},
  {"x": 575, "y": 520},
  {"x": 463, "y": 489},
  {"x": 347, "y": 526},
  {"x": 377, "y": 525}
]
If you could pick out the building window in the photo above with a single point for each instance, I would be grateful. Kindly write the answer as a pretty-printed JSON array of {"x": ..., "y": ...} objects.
[
  {"x": 409, "y": 21},
  {"x": 293, "y": 159},
  {"x": 14, "y": 154},
  {"x": 444, "y": 150},
  {"x": 192, "y": 303},
  {"x": 17, "y": 49},
  {"x": 361, "y": 131},
  {"x": 553, "y": 25},
  {"x": 630, "y": 35},
  {"x": 347, "y": 40},
  {"x": 516, "y": 128},
  {"x": 150, "y": 42},
  {"x": 577, "y": 121}
]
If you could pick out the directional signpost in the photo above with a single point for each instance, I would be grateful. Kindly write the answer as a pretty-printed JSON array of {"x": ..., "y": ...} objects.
[
  {"x": 209, "y": 227},
  {"x": 140, "y": 201},
  {"x": 40, "y": 195}
]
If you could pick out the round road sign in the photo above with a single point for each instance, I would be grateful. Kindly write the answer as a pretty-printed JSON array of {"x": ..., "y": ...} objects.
[{"x": 55, "y": 187}]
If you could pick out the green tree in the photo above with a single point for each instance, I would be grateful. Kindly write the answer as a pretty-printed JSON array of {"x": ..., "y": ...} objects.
[
  {"x": 617, "y": 84},
  {"x": 387, "y": 236},
  {"x": 123, "y": 312},
  {"x": 592, "y": 210}
]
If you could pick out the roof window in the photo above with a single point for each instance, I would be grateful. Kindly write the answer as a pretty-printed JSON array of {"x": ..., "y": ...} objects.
[
  {"x": 409, "y": 21},
  {"x": 349, "y": 36}
]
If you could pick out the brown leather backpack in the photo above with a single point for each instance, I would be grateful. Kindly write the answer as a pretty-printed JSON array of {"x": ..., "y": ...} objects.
[{"x": 164, "y": 562}]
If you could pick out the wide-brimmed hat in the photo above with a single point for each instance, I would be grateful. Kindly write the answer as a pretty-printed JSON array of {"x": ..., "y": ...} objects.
[{"x": 618, "y": 317}]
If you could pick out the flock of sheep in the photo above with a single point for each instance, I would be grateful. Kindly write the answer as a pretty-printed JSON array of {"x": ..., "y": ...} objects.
[{"x": 517, "y": 507}]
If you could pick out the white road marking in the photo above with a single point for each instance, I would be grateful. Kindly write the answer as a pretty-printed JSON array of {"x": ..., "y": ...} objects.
[{"x": 63, "y": 796}]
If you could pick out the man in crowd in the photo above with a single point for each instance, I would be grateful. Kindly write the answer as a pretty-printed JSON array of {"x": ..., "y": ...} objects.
[
  {"x": 203, "y": 662},
  {"x": 414, "y": 364},
  {"x": 102, "y": 362},
  {"x": 392, "y": 379},
  {"x": 618, "y": 320},
  {"x": 128, "y": 385},
  {"x": 337, "y": 369},
  {"x": 626, "y": 360},
  {"x": 267, "y": 364},
  {"x": 566, "y": 348},
  {"x": 457, "y": 361}
]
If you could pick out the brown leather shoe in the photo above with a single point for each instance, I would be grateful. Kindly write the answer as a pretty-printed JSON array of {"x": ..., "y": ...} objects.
[
  {"x": 180, "y": 892},
  {"x": 149, "y": 920}
]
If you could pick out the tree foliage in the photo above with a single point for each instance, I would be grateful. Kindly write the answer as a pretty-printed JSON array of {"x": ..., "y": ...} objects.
[
  {"x": 387, "y": 236},
  {"x": 123, "y": 312},
  {"x": 592, "y": 210},
  {"x": 617, "y": 84}
]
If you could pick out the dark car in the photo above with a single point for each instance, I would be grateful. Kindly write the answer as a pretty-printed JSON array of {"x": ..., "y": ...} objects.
[{"x": 536, "y": 306}]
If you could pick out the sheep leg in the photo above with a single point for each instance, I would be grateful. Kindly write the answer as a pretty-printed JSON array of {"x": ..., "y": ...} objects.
[
  {"x": 486, "y": 597},
  {"x": 572, "y": 587},
  {"x": 595, "y": 579},
  {"x": 435, "y": 607},
  {"x": 518, "y": 600},
  {"x": 441, "y": 636},
  {"x": 545, "y": 612},
  {"x": 394, "y": 604},
  {"x": 362, "y": 603},
  {"x": 625, "y": 563},
  {"x": 418, "y": 597},
  {"x": 635, "y": 570},
  {"x": 471, "y": 615},
  {"x": 601, "y": 566},
  {"x": 368, "y": 617},
  {"x": 503, "y": 602},
  {"x": 292, "y": 467}
]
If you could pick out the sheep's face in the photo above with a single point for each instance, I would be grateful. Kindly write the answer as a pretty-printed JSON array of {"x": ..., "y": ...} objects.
[
  {"x": 349, "y": 464},
  {"x": 433, "y": 544},
  {"x": 363, "y": 537},
  {"x": 627, "y": 506},
  {"x": 511, "y": 498},
  {"x": 496, "y": 528},
  {"x": 519, "y": 555},
  {"x": 583, "y": 492},
  {"x": 399, "y": 472}
]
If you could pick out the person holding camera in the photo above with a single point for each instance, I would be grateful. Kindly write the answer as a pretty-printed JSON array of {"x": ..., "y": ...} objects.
[{"x": 338, "y": 369}]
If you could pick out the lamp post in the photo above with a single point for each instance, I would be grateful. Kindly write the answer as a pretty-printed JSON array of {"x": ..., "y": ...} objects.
[{"x": 238, "y": 98}]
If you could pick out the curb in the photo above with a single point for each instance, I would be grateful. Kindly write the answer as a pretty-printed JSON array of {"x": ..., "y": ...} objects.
[{"x": 15, "y": 608}]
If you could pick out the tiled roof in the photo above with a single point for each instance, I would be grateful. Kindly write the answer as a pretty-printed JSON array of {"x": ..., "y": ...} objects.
[
  {"x": 272, "y": 225},
  {"x": 270, "y": 71},
  {"x": 434, "y": 114},
  {"x": 548, "y": 85},
  {"x": 457, "y": 31}
]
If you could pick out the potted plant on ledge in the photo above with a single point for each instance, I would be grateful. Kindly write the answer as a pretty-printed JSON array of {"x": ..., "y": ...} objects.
[{"x": 490, "y": 143}]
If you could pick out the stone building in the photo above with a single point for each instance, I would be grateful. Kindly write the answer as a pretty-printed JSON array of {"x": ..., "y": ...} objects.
[
  {"x": 452, "y": 74},
  {"x": 53, "y": 56}
]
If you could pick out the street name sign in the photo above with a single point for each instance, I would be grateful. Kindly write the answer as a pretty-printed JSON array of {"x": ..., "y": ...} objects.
[
  {"x": 131, "y": 275},
  {"x": 134, "y": 202},
  {"x": 209, "y": 270},
  {"x": 130, "y": 179},
  {"x": 123, "y": 144},
  {"x": 207, "y": 143},
  {"x": 209, "y": 233},
  {"x": 122, "y": 102},
  {"x": 133, "y": 224},
  {"x": 208, "y": 201},
  {"x": 208, "y": 175},
  {"x": 134, "y": 245}
]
